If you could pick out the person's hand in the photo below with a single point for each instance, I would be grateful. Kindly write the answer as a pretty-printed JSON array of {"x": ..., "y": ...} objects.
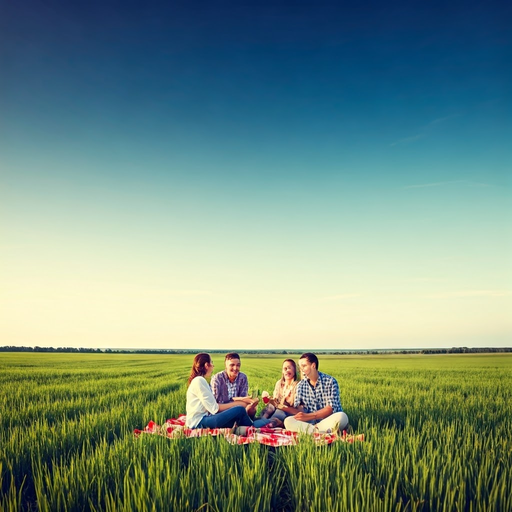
[
  {"x": 302, "y": 416},
  {"x": 245, "y": 399},
  {"x": 274, "y": 402},
  {"x": 251, "y": 408}
]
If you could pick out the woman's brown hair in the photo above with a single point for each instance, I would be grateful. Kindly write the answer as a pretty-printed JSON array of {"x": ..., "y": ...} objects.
[{"x": 198, "y": 369}]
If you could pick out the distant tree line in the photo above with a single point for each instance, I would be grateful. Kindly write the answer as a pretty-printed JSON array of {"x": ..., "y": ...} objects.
[
  {"x": 51, "y": 349},
  {"x": 465, "y": 350},
  {"x": 81, "y": 350}
]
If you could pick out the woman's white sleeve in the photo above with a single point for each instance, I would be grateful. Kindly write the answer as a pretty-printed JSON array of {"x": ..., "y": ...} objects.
[{"x": 206, "y": 397}]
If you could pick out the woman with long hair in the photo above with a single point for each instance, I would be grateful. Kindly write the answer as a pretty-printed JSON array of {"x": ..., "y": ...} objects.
[
  {"x": 281, "y": 403},
  {"x": 202, "y": 409}
]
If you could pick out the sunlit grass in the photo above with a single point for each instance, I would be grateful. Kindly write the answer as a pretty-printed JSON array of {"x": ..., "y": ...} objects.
[{"x": 438, "y": 432}]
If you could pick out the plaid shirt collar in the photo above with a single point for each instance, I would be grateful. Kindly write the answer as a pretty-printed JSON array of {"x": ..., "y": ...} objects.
[{"x": 319, "y": 382}]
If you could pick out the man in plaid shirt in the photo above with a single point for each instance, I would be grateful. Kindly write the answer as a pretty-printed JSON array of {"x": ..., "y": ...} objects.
[
  {"x": 317, "y": 406},
  {"x": 231, "y": 385}
]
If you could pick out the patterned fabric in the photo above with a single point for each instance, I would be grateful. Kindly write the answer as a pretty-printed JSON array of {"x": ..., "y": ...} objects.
[
  {"x": 284, "y": 394},
  {"x": 219, "y": 385},
  {"x": 175, "y": 428},
  {"x": 231, "y": 389},
  {"x": 326, "y": 392}
]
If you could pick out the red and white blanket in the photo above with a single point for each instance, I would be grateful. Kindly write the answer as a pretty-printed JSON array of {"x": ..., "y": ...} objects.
[{"x": 175, "y": 428}]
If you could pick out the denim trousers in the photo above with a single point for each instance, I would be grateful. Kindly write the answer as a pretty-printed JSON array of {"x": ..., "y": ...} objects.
[
  {"x": 278, "y": 414},
  {"x": 227, "y": 418}
]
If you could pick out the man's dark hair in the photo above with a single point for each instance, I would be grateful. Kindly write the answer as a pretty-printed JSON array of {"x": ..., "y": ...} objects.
[
  {"x": 310, "y": 357},
  {"x": 231, "y": 355}
]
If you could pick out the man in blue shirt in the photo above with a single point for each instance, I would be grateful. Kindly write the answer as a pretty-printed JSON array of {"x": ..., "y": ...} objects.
[{"x": 317, "y": 400}]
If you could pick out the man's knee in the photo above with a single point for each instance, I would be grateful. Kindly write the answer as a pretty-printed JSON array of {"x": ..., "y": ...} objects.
[
  {"x": 336, "y": 421},
  {"x": 344, "y": 421},
  {"x": 340, "y": 419}
]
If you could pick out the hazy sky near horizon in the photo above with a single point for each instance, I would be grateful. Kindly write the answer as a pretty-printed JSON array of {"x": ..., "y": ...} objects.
[{"x": 255, "y": 175}]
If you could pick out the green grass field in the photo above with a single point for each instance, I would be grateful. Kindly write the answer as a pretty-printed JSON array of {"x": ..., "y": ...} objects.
[{"x": 438, "y": 437}]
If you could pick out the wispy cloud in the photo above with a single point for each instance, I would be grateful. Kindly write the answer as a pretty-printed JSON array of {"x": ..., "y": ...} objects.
[
  {"x": 422, "y": 132},
  {"x": 470, "y": 294},
  {"x": 466, "y": 183},
  {"x": 441, "y": 120}
]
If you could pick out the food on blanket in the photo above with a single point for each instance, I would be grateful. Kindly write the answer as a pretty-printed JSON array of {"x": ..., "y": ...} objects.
[{"x": 266, "y": 397}]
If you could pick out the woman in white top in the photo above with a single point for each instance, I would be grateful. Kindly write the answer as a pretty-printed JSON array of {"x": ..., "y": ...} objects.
[
  {"x": 202, "y": 409},
  {"x": 281, "y": 403}
]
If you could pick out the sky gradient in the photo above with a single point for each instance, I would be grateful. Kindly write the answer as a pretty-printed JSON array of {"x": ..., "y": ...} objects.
[{"x": 271, "y": 175}]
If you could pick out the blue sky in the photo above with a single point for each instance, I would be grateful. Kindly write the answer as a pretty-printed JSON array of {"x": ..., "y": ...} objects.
[{"x": 261, "y": 175}]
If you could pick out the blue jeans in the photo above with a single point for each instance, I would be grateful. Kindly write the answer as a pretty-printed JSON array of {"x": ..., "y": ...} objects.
[
  {"x": 278, "y": 414},
  {"x": 227, "y": 418}
]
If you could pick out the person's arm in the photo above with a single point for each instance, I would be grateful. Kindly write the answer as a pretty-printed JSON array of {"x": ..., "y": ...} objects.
[
  {"x": 217, "y": 384},
  {"x": 243, "y": 389},
  {"x": 223, "y": 407},
  {"x": 333, "y": 395},
  {"x": 243, "y": 399},
  {"x": 316, "y": 415},
  {"x": 205, "y": 395},
  {"x": 275, "y": 399},
  {"x": 298, "y": 407},
  {"x": 290, "y": 410}
]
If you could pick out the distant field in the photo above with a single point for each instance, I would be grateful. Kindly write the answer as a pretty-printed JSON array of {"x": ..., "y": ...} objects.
[{"x": 438, "y": 430}]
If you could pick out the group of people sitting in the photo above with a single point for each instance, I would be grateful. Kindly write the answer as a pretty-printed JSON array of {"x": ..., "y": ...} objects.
[{"x": 309, "y": 405}]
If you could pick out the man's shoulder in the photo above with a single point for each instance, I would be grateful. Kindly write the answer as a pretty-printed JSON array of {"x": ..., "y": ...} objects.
[{"x": 324, "y": 377}]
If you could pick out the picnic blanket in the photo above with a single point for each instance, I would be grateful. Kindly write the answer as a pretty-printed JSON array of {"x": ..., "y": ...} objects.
[{"x": 175, "y": 428}]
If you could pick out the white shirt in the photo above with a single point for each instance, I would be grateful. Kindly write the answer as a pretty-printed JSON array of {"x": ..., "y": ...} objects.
[{"x": 200, "y": 402}]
